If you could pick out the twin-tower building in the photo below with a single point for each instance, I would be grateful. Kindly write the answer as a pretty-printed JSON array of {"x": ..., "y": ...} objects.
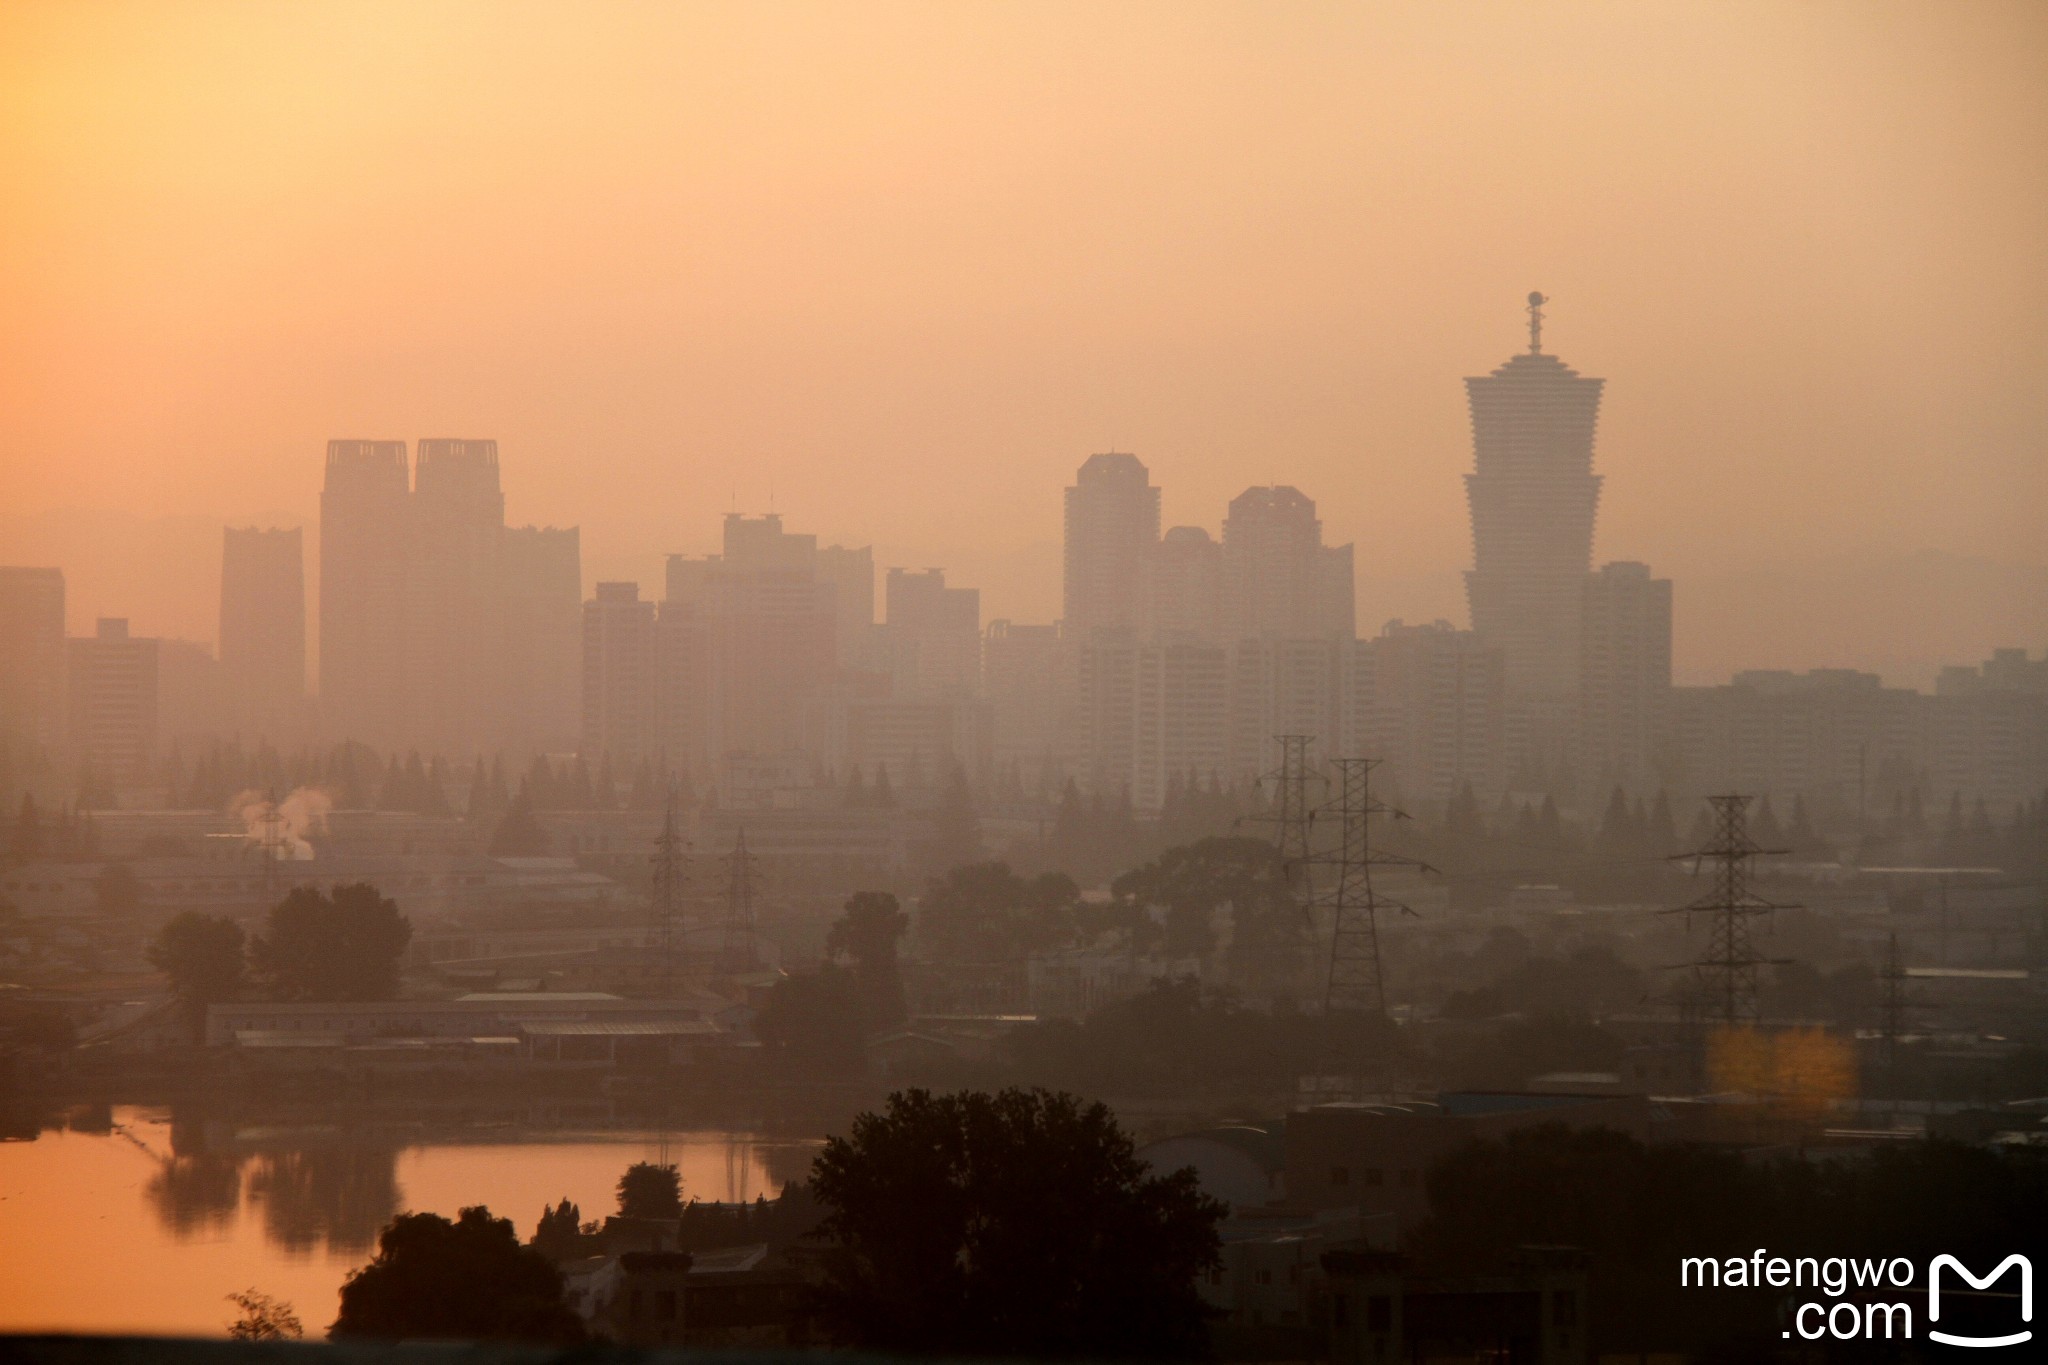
[{"x": 441, "y": 628}]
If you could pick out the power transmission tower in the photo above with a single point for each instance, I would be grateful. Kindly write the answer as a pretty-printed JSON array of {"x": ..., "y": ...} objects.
[
  {"x": 1355, "y": 986},
  {"x": 1727, "y": 971},
  {"x": 1292, "y": 816},
  {"x": 671, "y": 869},
  {"x": 737, "y": 954}
]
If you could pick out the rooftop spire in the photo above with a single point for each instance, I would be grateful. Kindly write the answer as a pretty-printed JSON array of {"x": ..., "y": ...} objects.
[{"x": 1536, "y": 302}]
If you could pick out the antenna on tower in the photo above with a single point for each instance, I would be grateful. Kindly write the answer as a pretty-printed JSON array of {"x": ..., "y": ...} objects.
[
  {"x": 1727, "y": 971},
  {"x": 670, "y": 871},
  {"x": 1536, "y": 302},
  {"x": 1355, "y": 987},
  {"x": 737, "y": 952}
]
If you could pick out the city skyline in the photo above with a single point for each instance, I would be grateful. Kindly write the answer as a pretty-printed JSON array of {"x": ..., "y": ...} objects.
[
  {"x": 1821, "y": 324},
  {"x": 1154, "y": 681},
  {"x": 164, "y": 574}
]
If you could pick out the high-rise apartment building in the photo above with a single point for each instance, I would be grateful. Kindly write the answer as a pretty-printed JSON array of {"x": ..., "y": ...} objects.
[
  {"x": 1840, "y": 739},
  {"x": 31, "y": 657},
  {"x": 917, "y": 743},
  {"x": 1280, "y": 582},
  {"x": 1624, "y": 676},
  {"x": 543, "y": 592},
  {"x": 1283, "y": 686},
  {"x": 934, "y": 635},
  {"x": 1112, "y": 525},
  {"x": 197, "y": 700},
  {"x": 1021, "y": 669},
  {"x": 1288, "y": 619},
  {"x": 263, "y": 628},
  {"x": 1101, "y": 723},
  {"x": 750, "y": 636},
  {"x": 620, "y": 687},
  {"x": 364, "y": 543},
  {"x": 1147, "y": 712},
  {"x": 1431, "y": 703},
  {"x": 1533, "y": 495},
  {"x": 1187, "y": 586},
  {"x": 113, "y": 702},
  {"x": 440, "y": 628},
  {"x": 1182, "y": 725},
  {"x": 851, "y": 572},
  {"x": 2006, "y": 671},
  {"x": 455, "y": 599}
]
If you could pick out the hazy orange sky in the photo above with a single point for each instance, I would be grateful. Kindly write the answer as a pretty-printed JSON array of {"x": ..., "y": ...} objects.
[{"x": 901, "y": 267}]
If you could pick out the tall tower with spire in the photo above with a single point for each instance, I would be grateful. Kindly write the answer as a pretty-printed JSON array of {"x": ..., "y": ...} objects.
[{"x": 1533, "y": 495}]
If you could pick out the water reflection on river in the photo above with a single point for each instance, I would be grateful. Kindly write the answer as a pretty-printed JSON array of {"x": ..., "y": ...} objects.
[{"x": 125, "y": 1220}]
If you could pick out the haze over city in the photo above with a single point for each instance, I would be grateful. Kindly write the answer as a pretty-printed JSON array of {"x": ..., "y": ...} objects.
[
  {"x": 1333, "y": 683},
  {"x": 896, "y": 273}
]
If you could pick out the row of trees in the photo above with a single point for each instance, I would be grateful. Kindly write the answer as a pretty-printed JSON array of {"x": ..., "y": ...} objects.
[
  {"x": 1177, "y": 905},
  {"x": 1022, "y": 1224},
  {"x": 1019, "y": 1224},
  {"x": 66, "y": 835},
  {"x": 313, "y": 946}
]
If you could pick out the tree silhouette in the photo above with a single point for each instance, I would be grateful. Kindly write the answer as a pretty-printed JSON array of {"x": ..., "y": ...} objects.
[
  {"x": 814, "y": 1019},
  {"x": 1016, "y": 1224},
  {"x": 203, "y": 957},
  {"x": 518, "y": 834},
  {"x": 344, "y": 947},
  {"x": 986, "y": 913},
  {"x": 560, "y": 1226},
  {"x": 867, "y": 932},
  {"x": 465, "y": 1280},
  {"x": 263, "y": 1318},
  {"x": 1192, "y": 883},
  {"x": 650, "y": 1191}
]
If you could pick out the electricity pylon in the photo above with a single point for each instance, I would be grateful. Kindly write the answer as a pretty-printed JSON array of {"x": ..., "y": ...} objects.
[
  {"x": 671, "y": 869},
  {"x": 736, "y": 953},
  {"x": 1292, "y": 817},
  {"x": 1355, "y": 988},
  {"x": 1355, "y": 982},
  {"x": 1727, "y": 971}
]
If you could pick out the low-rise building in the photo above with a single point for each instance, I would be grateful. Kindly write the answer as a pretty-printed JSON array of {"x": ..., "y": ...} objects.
[
  {"x": 749, "y": 1297},
  {"x": 549, "y": 1029},
  {"x": 1375, "y": 1155}
]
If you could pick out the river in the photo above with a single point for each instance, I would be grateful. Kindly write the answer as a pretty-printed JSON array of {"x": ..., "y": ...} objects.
[{"x": 126, "y": 1221}]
